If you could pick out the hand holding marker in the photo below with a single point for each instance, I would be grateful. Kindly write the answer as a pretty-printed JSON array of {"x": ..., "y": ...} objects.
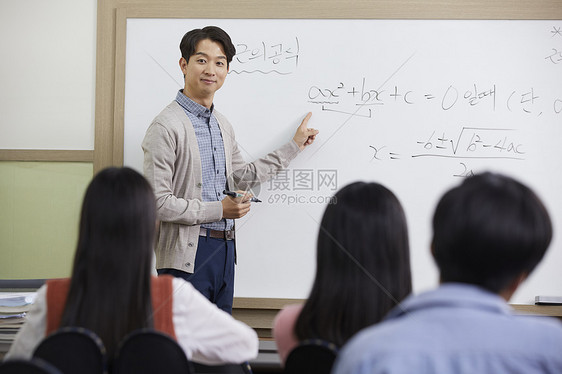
[{"x": 236, "y": 194}]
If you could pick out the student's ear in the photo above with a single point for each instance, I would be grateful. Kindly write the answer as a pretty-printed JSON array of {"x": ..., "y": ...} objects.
[
  {"x": 513, "y": 286},
  {"x": 521, "y": 278},
  {"x": 433, "y": 255}
]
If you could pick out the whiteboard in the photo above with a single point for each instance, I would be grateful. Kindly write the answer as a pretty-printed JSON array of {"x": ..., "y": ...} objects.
[{"x": 416, "y": 105}]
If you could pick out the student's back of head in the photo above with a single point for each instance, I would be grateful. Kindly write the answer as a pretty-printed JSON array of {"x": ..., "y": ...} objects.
[
  {"x": 363, "y": 264},
  {"x": 112, "y": 293},
  {"x": 488, "y": 231},
  {"x": 110, "y": 283}
]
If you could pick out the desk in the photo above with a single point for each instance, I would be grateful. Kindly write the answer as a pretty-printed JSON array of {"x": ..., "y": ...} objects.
[
  {"x": 539, "y": 310},
  {"x": 259, "y": 314},
  {"x": 268, "y": 360}
]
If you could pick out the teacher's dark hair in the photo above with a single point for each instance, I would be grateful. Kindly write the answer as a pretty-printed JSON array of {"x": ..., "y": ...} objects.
[
  {"x": 214, "y": 33},
  {"x": 488, "y": 231},
  {"x": 362, "y": 267},
  {"x": 110, "y": 283}
]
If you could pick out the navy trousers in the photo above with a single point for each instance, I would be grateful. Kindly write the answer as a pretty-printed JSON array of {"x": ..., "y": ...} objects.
[{"x": 214, "y": 271}]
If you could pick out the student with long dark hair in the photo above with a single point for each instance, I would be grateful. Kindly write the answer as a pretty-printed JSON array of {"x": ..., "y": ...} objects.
[
  {"x": 111, "y": 291},
  {"x": 362, "y": 269}
]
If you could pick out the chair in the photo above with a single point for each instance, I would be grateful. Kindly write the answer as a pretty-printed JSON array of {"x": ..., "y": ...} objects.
[
  {"x": 149, "y": 351},
  {"x": 219, "y": 369},
  {"x": 32, "y": 366},
  {"x": 73, "y": 350},
  {"x": 311, "y": 356}
]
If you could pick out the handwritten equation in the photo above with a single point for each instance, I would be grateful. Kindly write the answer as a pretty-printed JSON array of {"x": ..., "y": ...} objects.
[
  {"x": 267, "y": 57},
  {"x": 468, "y": 143},
  {"x": 473, "y": 142},
  {"x": 359, "y": 99}
]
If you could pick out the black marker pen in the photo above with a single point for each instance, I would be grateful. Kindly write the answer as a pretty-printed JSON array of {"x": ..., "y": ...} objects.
[{"x": 236, "y": 194}]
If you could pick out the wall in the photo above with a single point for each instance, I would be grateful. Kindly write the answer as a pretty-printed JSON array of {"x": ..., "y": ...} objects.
[
  {"x": 47, "y": 106},
  {"x": 39, "y": 220}
]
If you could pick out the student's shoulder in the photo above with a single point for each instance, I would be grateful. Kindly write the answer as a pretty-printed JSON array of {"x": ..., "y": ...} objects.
[
  {"x": 540, "y": 326},
  {"x": 540, "y": 335},
  {"x": 358, "y": 353},
  {"x": 291, "y": 309},
  {"x": 180, "y": 285},
  {"x": 386, "y": 336},
  {"x": 287, "y": 315}
]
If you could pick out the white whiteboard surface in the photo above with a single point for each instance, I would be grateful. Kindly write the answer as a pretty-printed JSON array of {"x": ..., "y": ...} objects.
[{"x": 414, "y": 105}]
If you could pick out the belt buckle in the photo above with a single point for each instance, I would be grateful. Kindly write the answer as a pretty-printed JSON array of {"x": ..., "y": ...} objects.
[{"x": 229, "y": 234}]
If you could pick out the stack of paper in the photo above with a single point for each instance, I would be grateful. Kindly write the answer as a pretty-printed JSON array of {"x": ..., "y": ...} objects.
[{"x": 13, "y": 306}]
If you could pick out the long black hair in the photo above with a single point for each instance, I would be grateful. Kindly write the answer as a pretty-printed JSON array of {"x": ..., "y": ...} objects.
[
  {"x": 110, "y": 283},
  {"x": 363, "y": 264}
]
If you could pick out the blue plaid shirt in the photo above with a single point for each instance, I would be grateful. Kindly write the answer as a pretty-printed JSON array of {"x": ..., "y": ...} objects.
[{"x": 211, "y": 151}]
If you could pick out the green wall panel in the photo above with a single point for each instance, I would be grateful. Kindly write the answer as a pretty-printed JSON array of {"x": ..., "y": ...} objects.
[{"x": 39, "y": 213}]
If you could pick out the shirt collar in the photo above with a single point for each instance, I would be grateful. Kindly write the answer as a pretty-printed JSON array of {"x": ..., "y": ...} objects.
[
  {"x": 453, "y": 295},
  {"x": 193, "y": 107}
]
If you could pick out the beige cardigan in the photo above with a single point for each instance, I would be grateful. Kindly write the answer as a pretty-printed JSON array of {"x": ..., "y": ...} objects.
[{"x": 172, "y": 165}]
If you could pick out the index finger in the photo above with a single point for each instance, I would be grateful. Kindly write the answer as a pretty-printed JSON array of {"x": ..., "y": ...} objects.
[{"x": 305, "y": 120}]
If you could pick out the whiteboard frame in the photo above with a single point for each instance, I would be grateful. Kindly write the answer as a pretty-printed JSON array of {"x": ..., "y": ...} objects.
[{"x": 111, "y": 43}]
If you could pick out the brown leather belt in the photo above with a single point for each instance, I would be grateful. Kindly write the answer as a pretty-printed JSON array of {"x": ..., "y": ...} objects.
[{"x": 217, "y": 234}]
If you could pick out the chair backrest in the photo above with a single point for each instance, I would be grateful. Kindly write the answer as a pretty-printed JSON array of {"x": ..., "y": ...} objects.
[
  {"x": 219, "y": 369},
  {"x": 150, "y": 351},
  {"x": 311, "y": 356},
  {"x": 31, "y": 366},
  {"x": 73, "y": 350}
]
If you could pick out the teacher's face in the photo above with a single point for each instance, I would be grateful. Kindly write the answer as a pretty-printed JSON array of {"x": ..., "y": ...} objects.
[{"x": 205, "y": 72}]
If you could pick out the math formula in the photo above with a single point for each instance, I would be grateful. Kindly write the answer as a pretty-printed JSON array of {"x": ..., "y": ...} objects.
[
  {"x": 473, "y": 142},
  {"x": 469, "y": 142},
  {"x": 362, "y": 101},
  {"x": 469, "y": 102}
]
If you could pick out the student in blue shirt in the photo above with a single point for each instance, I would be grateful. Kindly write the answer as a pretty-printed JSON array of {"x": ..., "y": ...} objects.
[{"x": 489, "y": 234}]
